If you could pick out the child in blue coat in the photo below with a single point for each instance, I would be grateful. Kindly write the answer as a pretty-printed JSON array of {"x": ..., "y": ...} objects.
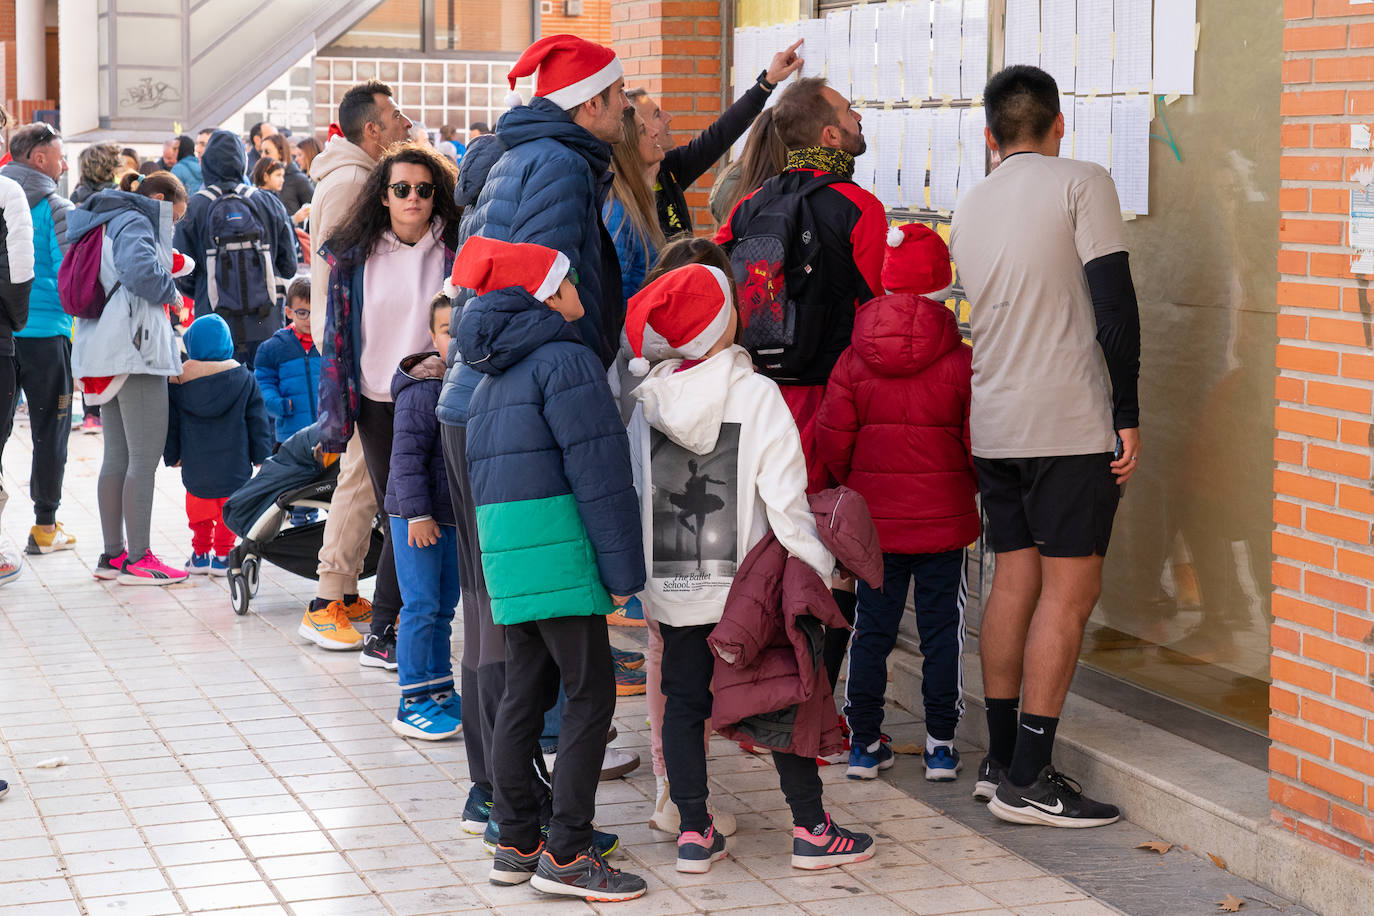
[
  {"x": 216, "y": 433},
  {"x": 423, "y": 537},
  {"x": 287, "y": 367}
]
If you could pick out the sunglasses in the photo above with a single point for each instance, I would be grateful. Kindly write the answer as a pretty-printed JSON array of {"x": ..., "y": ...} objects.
[{"x": 401, "y": 189}]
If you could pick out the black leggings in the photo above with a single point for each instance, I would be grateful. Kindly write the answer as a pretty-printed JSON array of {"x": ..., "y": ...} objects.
[{"x": 374, "y": 425}]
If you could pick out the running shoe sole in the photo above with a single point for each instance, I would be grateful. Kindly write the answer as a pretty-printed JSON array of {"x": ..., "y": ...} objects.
[
  {"x": 7, "y": 578},
  {"x": 943, "y": 775},
  {"x": 983, "y": 790},
  {"x": 406, "y": 730},
  {"x": 700, "y": 866},
  {"x": 475, "y": 828},
  {"x": 371, "y": 661},
  {"x": 126, "y": 579},
  {"x": 1033, "y": 815},
  {"x": 519, "y": 868},
  {"x": 817, "y": 863},
  {"x": 318, "y": 639},
  {"x": 34, "y": 548},
  {"x": 870, "y": 772},
  {"x": 558, "y": 888},
  {"x": 105, "y": 575},
  {"x": 218, "y": 573}
]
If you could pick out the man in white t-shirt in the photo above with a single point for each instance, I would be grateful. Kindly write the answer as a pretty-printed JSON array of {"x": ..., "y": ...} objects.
[{"x": 1054, "y": 423}]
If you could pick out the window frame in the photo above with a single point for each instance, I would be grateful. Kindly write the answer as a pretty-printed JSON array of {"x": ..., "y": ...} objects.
[{"x": 428, "y": 45}]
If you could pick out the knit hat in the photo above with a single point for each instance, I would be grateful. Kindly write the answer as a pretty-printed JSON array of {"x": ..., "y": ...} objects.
[
  {"x": 486, "y": 264},
  {"x": 916, "y": 260},
  {"x": 571, "y": 69},
  {"x": 208, "y": 338},
  {"x": 682, "y": 313}
]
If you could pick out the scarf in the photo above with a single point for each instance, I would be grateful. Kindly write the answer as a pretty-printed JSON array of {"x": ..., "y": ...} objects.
[{"x": 822, "y": 159}]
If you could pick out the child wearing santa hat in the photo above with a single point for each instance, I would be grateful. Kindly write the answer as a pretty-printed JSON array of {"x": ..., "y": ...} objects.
[
  {"x": 719, "y": 464},
  {"x": 894, "y": 426},
  {"x": 558, "y": 524}
]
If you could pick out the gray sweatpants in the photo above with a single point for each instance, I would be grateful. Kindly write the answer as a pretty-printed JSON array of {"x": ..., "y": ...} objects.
[{"x": 135, "y": 432}]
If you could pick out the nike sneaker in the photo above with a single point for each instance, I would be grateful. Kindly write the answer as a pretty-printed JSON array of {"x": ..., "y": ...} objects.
[
  {"x": 990, "y": 776},
  {"x": 587, "y": 876},
  {"x": 379, "y": 650},
  {"x": 1053, "y": 800},
  {"x": 827, "y": 845}
]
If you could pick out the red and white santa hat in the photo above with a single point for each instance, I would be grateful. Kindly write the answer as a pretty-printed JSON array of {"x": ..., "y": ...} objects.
[
  {"x": 571, "y": 69},
  {"x": 682, "y": 313},
  {"x": 916, "y": 260},
  {"x": 487, "y": 264},
  {"x": 182, "y": 265}
]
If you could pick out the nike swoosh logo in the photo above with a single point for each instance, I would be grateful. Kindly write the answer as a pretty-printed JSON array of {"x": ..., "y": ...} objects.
[
  {"x": 1038, "y": 731},
  {"x": 1057, "y": 809}
]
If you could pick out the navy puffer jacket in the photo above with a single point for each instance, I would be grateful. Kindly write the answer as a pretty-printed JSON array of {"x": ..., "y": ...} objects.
[
  {"x": 547, "y": 186},
  {"x": 557, "y": 513},
  {"x": 417, "y": 486}
]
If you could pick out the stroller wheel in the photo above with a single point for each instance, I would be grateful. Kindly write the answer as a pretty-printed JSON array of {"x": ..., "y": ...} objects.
[
  {"x": 250, "y": 575},
  {"x": 238, "y": 594}
]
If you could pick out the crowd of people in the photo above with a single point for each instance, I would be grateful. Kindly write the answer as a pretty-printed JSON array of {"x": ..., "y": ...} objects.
[{"x": 574, "y": 411}]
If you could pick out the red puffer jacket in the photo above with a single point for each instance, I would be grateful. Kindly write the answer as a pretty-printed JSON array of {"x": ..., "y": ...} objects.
[
  {"x": 894, "y": 424},
  {"x": 770, "y": 683}
]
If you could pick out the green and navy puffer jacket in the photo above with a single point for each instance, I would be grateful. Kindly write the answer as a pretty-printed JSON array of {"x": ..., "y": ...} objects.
[{"x": 549, "y": 461}]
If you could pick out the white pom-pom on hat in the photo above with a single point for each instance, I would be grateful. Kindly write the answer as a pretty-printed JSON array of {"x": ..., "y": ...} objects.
[
  {"x": 639, "y": 367},
  {"x": 514, "y": 100},
  {"x": 450, "y": 289},
  {"x": 895, "y": 237}
]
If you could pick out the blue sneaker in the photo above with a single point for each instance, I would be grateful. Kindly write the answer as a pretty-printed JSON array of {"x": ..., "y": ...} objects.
[
  {"x": 452, "y": 705},
  {"x": 942, "y": 765},
  {"x": 199, "y": 564},
  {"x": 631, "y": 615},
  {"x": 865, "y": 762},
  {"x": 424, "y": 719},
  {"x": 605, "y": 843},
  {"x": 477, "y": 811},
  {"x": 219, "y": 565}
]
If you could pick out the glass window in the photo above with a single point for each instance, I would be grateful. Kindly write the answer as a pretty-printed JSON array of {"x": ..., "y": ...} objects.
[
  {"x": 479, "y": 25},
  {"x": 393, "y": 24}
]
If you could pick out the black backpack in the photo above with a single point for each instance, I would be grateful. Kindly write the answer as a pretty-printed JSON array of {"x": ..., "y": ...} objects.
[
  {"x": 240, "y": 280},
  {"x": 775, "y": 258}
]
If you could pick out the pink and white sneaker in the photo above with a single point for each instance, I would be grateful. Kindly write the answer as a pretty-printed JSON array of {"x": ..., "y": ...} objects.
[
  {"x": 149, "y": 570},
  {"x": 827, "y": 845},
  {"x": 107, "y": 567}
]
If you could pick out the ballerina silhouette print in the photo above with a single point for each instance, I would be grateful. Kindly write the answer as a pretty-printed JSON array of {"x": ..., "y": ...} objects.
[{"x": 695, "y": 503}]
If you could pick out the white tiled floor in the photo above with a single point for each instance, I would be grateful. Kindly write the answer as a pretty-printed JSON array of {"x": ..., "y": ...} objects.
[{"x": 218, "y": 763}]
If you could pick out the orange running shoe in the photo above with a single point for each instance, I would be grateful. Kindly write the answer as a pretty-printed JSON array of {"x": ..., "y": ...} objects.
[{"x": 328, "y": 627}]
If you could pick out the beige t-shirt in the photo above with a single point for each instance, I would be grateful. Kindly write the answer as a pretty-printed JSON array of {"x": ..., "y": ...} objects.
[{"x": 1020, "y": 240}]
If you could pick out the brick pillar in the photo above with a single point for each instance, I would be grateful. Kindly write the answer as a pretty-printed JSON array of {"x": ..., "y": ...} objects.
[
  {"x": 674, "y": 49},
  {"x": 1322, "y": 719}
]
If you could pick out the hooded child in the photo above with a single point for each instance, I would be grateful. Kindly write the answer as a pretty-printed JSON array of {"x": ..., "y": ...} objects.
[
  {"x": 718, "y": 465},
  {"x": 558, "y": 524},
  {"x": 217, "y": 431},
  {"x": 894, "y": 426}
]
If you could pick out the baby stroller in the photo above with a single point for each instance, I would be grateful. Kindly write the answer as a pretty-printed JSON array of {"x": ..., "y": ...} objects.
[{"x": 293, "y": 478}]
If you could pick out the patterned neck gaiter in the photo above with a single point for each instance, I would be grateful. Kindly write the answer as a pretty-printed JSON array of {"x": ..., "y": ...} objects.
[{"x": 822, "y": 158}]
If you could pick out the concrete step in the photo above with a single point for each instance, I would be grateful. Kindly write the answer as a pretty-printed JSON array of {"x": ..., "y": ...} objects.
[{"x": 1182, "y": 792}]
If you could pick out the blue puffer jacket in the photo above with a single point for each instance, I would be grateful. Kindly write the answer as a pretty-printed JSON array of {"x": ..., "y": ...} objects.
[
  {"x": 417, "y": 485},
  {"x": 290, "y": 382},
  {"x": 637, "y": 256},
  {"x": 188, "y": 170},
  {"x": 48, "y": 210},
  {"x": 549, "y": 461},
  {"x": 547, "y": 186}
]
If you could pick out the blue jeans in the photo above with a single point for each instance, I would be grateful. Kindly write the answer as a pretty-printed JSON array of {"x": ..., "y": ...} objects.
[
  {"x": 939, "y": 604},
  {"x": 428, "y": 577}
]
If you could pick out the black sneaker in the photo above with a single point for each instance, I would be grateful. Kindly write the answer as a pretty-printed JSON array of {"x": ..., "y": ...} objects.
[
  {"x": 827, "y": 845},
  {"x": 697, "y": 851},
  {"x": 587, "y": 876},
  {"x": 477, "y": 811},
  {"x": 606, "y": 843},
  {"x": 511, "y": 866},
  {"x": 4, "y": 788},
  {"x": 990, "y": 776},
  {"x": 379, "y": 650},
  {"x": 1053, "y": 800}
]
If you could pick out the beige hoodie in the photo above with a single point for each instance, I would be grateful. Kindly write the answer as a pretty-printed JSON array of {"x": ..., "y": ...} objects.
[{"x": 339, "y": 172}]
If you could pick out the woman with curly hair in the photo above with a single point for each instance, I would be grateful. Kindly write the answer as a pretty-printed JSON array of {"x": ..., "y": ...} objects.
[
  {"x": 100, "y": 166},
  {"x": 388, "y": 259}
]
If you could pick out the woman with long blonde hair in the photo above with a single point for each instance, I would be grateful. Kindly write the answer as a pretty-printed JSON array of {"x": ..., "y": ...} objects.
[{"x": 630, "y": 214}]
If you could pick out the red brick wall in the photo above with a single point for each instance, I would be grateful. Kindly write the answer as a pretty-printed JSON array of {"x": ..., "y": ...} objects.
[
  {"x": 673, "y": 48},
  {"x": 7, "y": 52},
  {"x": 594, "y": 24},
  {"x": 1322, "y": 719}
]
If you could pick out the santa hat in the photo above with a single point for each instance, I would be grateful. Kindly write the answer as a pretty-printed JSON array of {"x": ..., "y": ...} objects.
[
  {"x": 181, "y": 264},
  {"x": 571, "y": 69},
  {"x": 682, "y": 313},
  {"x": 487, "y": 264},
  {"x": 916, "y": 260}
]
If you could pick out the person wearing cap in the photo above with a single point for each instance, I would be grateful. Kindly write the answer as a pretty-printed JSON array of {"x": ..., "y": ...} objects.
[
  {"x": 718, "y": 466},
  {"x": 894, "y": 427},
  {"x": 558, "y": 523}
]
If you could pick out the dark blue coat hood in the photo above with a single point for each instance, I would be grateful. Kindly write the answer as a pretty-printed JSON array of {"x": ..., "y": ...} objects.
[
  {"x": 501, "y": 328},
  {"x": 224, "y": 161},
  {"x": 542, "y": 119}
]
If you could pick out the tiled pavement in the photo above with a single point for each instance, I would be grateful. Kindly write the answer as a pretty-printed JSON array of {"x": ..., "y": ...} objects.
[{"x": 217, "y": 763}]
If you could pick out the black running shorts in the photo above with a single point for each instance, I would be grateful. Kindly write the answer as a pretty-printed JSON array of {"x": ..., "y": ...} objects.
[{"x": 1063, "y": 506}]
